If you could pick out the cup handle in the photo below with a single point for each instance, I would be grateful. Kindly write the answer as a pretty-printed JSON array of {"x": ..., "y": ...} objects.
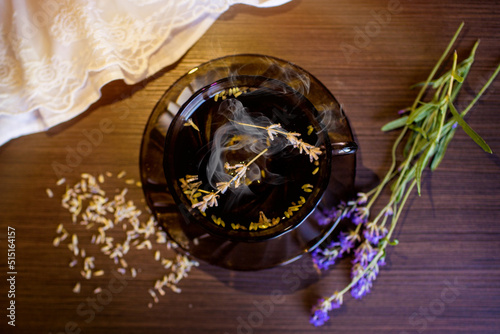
[{"x": 344, "y": 148}]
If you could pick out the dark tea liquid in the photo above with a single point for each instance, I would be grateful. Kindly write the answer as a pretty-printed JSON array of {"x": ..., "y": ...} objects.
[{"x": 280, "y": 184}]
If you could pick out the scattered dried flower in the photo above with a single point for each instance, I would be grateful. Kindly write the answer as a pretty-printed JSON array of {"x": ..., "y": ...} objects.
[{"x": 90, "y": 207}]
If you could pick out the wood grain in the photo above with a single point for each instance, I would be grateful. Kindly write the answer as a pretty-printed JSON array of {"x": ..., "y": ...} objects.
[{"x": 449, "y": 235}]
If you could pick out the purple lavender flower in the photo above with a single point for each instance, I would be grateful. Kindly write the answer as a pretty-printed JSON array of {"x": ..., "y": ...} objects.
[
  {"x": 323, "y": 219},
  {"x": 325, "y": 258},
  {"x": 361, "y": 288},
  {"x": 337, "y": 213},
  {"x": 319, "y": 312},
  {"x": 348, "y": 241},
  {"x": 374, "y": 233},
  {"x": 360, "y": 215},
  {"x": 357, "y": 270},
  {"x": 364, "y": 254},
  {"x": 364, "y": 284},
  {"x": 388, "y": 211},
  {"x": 362, "y": 198}
]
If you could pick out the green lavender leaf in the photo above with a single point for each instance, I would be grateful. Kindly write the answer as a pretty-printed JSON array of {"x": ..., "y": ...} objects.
[
  {"x": 399, "y": 194},
  {"x": 462, "y": 70},
  {"x": 442, "y": 147},
  {"x": 418, "y": 130},
  {"x": 395, "y": 242},
  {"x": 422, "y": 163},
  {"x": 457, "y": 76},
  {"x": 409, "y": 143},
  {"x": 397, "y": 123},
  {"x": 468, "y": 129},
  {"x": 421, "y": 112},
  {"x": 421, "y": 145},
  {"x": 441, "y": 80}
]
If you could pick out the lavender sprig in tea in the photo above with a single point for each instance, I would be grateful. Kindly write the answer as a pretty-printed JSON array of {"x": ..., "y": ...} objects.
[
  {"x": 191, "y": 185},
  {"x": 253, "y": 156}
]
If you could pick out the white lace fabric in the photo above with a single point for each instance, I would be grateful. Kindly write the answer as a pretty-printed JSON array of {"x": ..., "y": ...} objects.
[{"x": 55, "y": 55}]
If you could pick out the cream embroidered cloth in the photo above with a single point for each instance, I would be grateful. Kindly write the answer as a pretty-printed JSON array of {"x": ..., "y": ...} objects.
[{"x": 55, "y": 55}]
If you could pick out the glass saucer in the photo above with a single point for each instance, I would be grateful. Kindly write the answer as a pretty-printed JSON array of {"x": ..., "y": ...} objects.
[{"x": 194, "y": 239}]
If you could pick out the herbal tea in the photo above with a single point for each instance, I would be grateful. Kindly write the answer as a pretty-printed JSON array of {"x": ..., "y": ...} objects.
[{"x": 249, "y": 155}]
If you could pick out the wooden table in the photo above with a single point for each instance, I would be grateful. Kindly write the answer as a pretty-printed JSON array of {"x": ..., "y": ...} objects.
[{"x": 443, "y": 277}]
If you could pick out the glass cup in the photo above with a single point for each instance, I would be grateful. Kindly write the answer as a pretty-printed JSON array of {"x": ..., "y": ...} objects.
[{"x": 248, "y": 158}]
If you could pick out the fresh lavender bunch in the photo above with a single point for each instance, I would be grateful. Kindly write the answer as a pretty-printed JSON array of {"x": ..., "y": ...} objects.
[{"x": 427, "y": 129}]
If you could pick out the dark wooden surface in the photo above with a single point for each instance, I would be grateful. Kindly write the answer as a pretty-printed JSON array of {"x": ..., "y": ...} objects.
[{"x": 449, "y": 235}]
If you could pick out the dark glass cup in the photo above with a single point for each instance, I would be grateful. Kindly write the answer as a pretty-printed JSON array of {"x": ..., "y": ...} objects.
[
  {"x": 172, "y": 149},
  {"x": 287, "y": 185}
]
